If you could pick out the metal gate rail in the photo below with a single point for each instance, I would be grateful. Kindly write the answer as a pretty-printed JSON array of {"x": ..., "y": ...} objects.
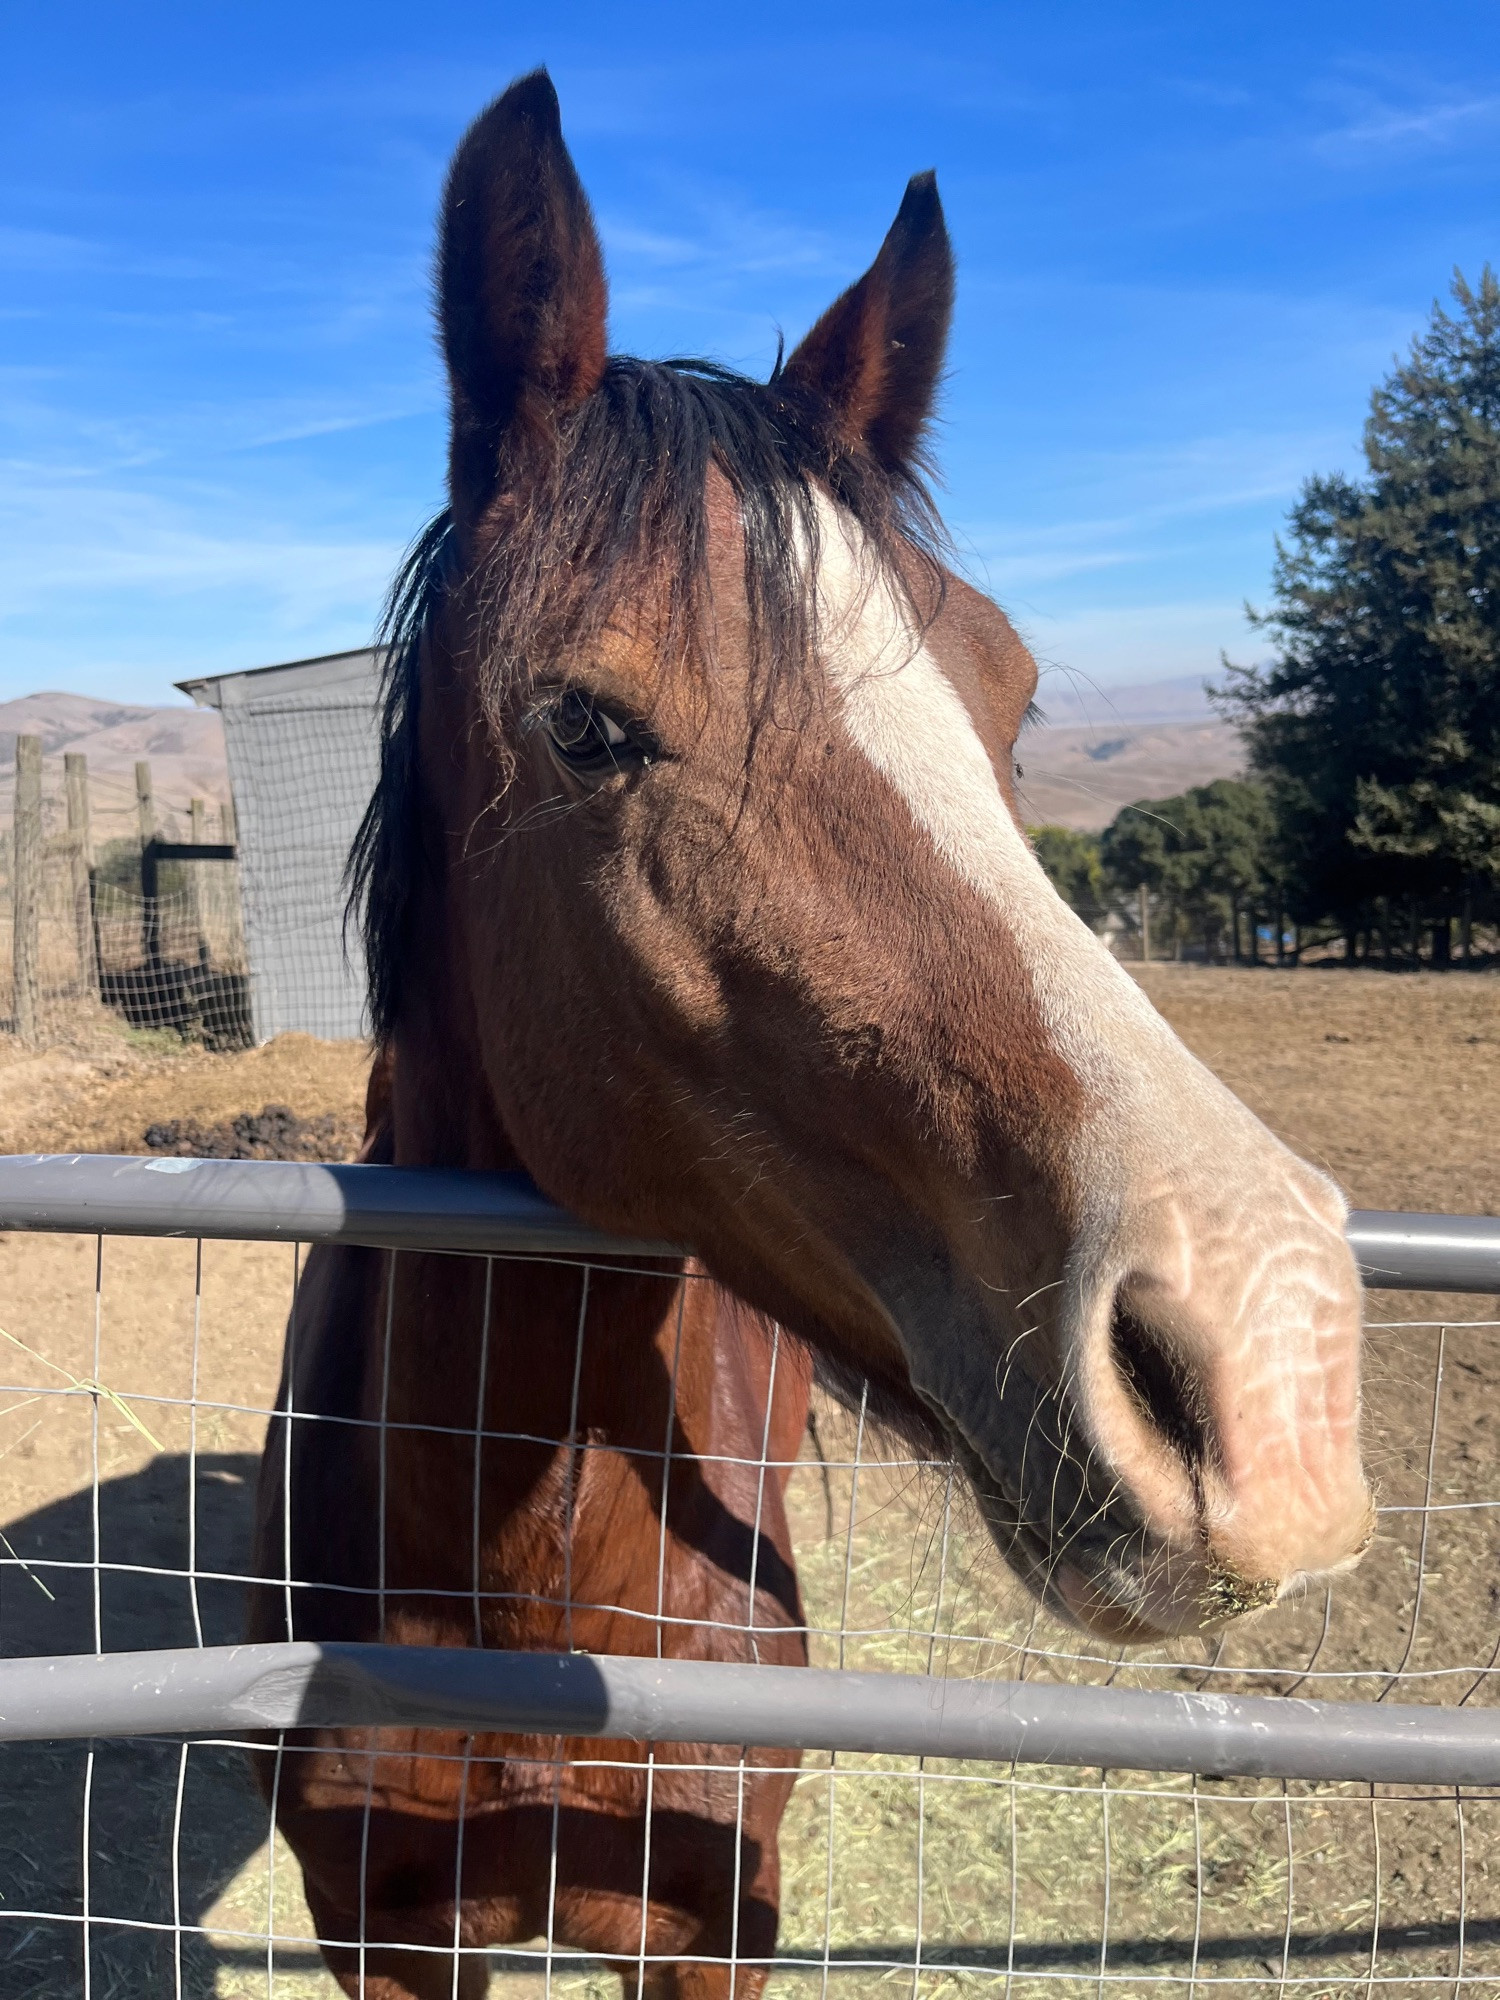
[
  {"x": 215, "y": 1690},
  {"x": 440, "y": 1208},
  {"x": 218, "y": 1690}
]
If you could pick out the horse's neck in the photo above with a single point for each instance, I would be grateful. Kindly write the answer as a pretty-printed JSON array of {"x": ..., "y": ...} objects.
[
  {"x": 430, "y": 1088},
  {"x": 670, "y": 1341}
]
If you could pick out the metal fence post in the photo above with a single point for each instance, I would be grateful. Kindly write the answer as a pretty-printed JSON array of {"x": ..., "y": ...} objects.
[{"x": 145, "y": 805}]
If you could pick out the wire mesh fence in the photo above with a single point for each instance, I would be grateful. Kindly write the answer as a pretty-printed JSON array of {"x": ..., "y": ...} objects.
[
  {"x": 106, "y": 925},
  {"x": 174, "y": 961},
  {"x": 304, "y": 771},
  {"x": 138, "y": 1379},
  {"x": 222, "y": 926}
]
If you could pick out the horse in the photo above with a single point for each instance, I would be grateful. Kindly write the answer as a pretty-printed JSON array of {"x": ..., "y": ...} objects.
[{"x": 695, "y": 884}]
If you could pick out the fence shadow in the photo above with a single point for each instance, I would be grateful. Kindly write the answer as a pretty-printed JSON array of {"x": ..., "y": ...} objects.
[{"x": 153, "y": 1858}]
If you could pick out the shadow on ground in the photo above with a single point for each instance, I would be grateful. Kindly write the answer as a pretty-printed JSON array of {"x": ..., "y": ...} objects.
[{"x": 165, "y": 1832}]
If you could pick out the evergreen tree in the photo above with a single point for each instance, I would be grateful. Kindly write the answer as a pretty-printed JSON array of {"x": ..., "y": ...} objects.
[
  {"x": 1208, "y": 855},
  {"x": 1377, "y": 723},
  {"x": 1071, "y": 860}
]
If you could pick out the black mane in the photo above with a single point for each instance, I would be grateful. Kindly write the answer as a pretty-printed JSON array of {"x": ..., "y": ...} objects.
[{"x": 624, "y": 493}]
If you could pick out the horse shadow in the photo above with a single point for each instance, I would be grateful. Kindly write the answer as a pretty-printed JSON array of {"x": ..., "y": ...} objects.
[{"x": 113, "y": 1853}]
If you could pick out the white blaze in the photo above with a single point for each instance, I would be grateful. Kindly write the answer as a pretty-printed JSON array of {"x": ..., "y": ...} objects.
[
  {"x": 1182, "y": 1191},
  {"x": 906, "y": 717}
]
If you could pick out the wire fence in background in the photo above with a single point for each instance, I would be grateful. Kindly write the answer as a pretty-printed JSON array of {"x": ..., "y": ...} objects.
[
  {"x": 173, "y": 962},
  {"x": 138, "y": 1380},
  {"x": 304, "y": 766},
  {"x": 220, "y": 930},
  {"x": 103, "y": 927}
]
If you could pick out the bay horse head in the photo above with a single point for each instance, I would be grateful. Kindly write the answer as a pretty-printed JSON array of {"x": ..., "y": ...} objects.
[{"x": 696, "y": 857}]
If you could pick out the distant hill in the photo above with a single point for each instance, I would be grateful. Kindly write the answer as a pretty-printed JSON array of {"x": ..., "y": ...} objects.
[
  {"x": 185, "y": 748},
  {"x": 1097, "y": 749},
  {"x": 1094, "y": 751},
  {"x": 1069, "y": 699}
]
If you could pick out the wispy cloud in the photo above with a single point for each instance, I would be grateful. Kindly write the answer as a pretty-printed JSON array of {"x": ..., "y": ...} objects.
[
  {"x": 123, "y": 541},
  {"x": 103, "y": 574},
  {"x": 54, "y": 436},
  {"x": 1375, "y": 122},
  {"x": 1197, "y": 482},
  {"x": 710, "y": 278},
  {"x": 43, "y": 250},
  {"x": 52, "y": 252},
  {"x": 721, "y": 241},
  {"x": 627, "y": 242},
  {"x": 259, "y": 430}
]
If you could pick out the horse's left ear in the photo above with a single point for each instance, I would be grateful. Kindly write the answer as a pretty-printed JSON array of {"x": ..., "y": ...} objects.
[
  {"x": 521, "y": 293},
  {"x": 877, "y": 352}
]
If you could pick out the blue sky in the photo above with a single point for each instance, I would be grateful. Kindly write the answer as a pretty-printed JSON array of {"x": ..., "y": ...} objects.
[{"x": 1189, "y": 240}]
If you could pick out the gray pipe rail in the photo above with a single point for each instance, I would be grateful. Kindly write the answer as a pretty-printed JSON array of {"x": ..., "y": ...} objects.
[
  {"x": 295, "y": 1201},
  {"x": 234, "y": 1690},
  {"x": 440, "y": 1208},
  {"x": 1426, "y": 1253}
]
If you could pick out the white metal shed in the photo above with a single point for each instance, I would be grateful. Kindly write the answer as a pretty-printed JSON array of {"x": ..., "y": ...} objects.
[{"x": 302, "y": 742}]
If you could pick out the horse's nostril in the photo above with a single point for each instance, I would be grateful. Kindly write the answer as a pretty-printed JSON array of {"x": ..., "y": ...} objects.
[{"x": 1161, "y": 1384}]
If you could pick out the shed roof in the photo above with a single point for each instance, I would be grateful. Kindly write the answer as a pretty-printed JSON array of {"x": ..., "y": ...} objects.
[{"x": 319, "y": 676}]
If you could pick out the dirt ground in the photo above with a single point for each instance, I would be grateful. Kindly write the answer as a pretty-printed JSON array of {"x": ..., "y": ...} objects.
[
  {"x": 103, "y": 1094},
  {"x": 1389, "y": 1081},
  {"x": 1359, "y": 1071},
  {"x": 1037, "y": 1881}
]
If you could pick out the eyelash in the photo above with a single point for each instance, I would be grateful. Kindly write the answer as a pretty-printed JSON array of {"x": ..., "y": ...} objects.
[{"x": 590, "y": 742}]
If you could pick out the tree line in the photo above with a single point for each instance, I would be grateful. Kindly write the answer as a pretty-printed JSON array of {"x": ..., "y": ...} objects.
[{"x": 1369, "y": 818}]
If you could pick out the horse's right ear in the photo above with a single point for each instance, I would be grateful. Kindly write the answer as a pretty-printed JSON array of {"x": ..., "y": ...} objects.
[
  {"x": 521, "y": 293},
  {"x": 875, "y": 356}
]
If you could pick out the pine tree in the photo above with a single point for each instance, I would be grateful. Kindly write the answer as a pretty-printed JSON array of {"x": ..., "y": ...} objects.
[{"x": 1377, "y": 723}]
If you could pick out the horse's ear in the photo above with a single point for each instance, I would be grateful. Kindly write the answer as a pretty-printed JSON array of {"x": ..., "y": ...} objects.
[
  {"x": 521, "y": 292},
  {"x": 877, "y": 352}
]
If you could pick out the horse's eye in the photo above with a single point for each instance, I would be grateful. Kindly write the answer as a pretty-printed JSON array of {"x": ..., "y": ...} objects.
[{"x": 590, "y": 741}]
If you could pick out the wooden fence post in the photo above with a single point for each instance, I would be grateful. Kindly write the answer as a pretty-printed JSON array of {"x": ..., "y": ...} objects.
[
  {"x": 1145, "y": 923},
  {"x": 26, "y": 888},
  {"x": 198, "y": 835},
  {"x": 145, "y": 801},
  {"x": 145, "y": 805},
  {"x": 81, "y": 858}
]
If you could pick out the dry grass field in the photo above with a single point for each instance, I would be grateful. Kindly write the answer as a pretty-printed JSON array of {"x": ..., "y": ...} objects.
[{"x": 945, "y": 1880}]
